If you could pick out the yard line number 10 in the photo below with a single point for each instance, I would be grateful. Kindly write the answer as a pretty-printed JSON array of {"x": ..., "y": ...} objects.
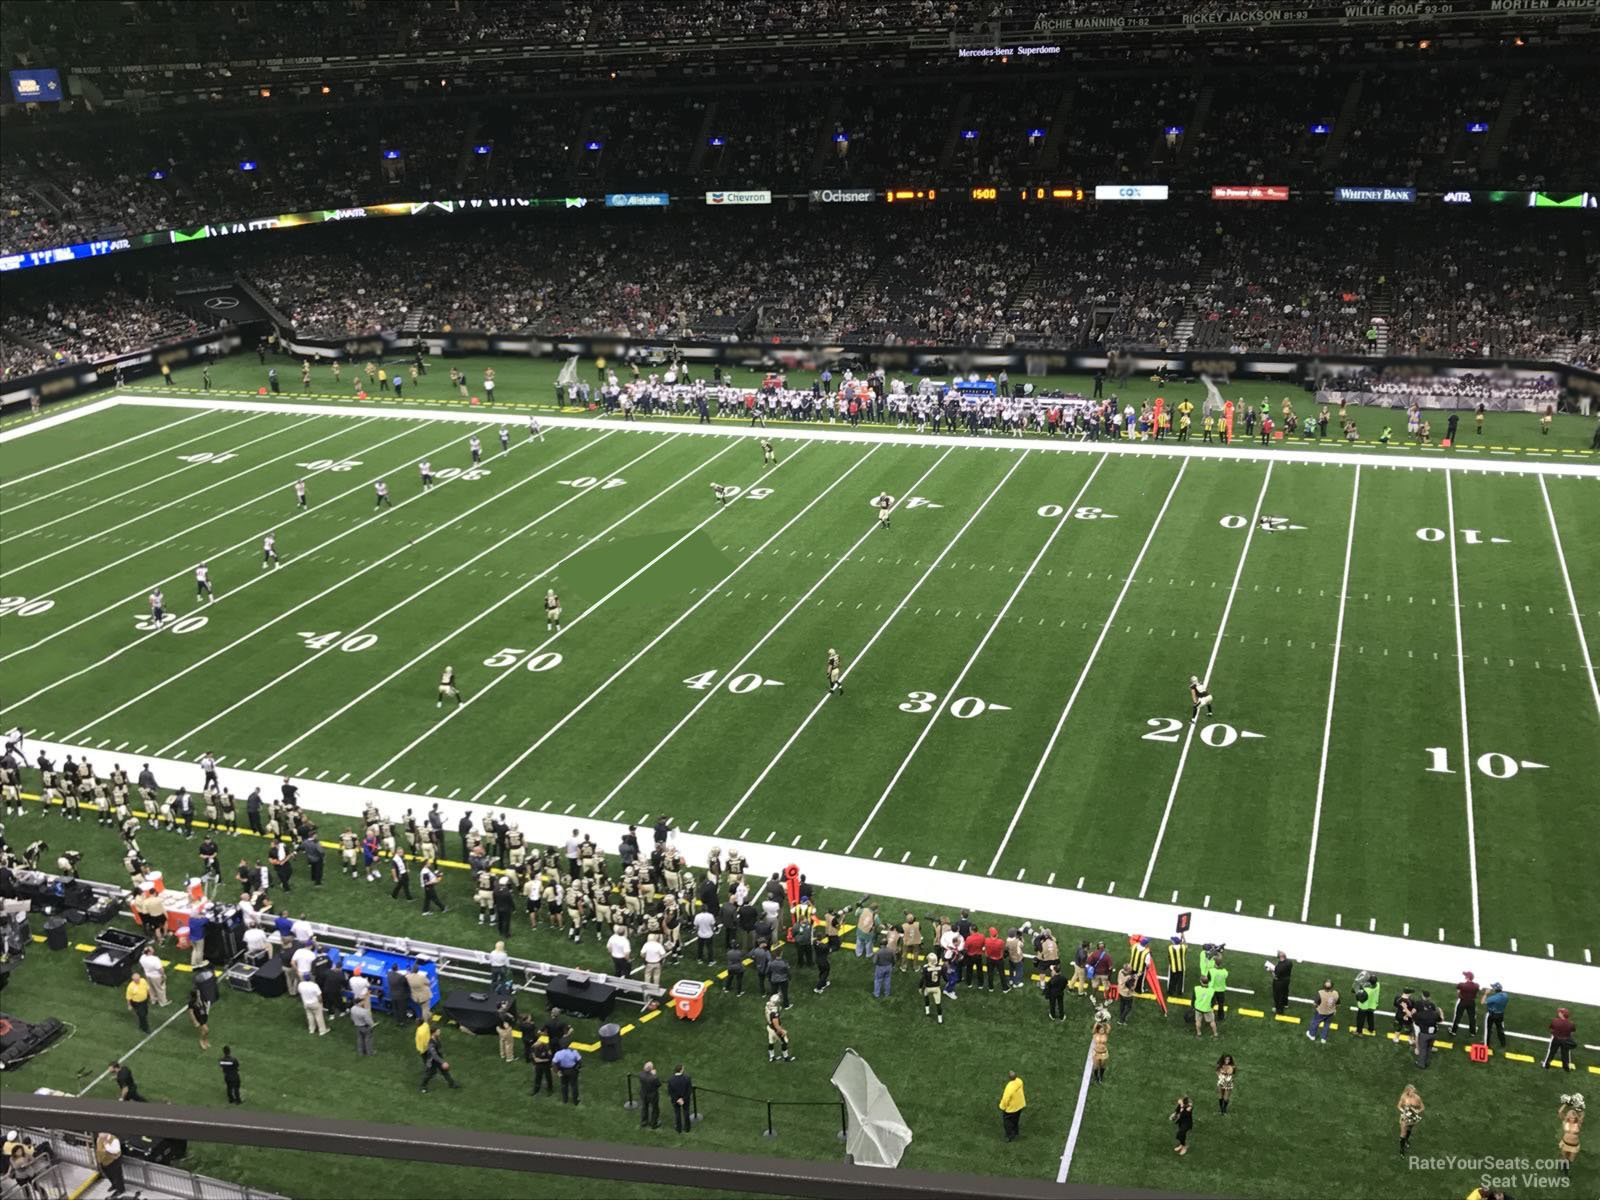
[{"x": 1493, "y": 764}]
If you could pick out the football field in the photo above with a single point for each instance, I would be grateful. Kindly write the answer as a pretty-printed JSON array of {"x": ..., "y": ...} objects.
[{"x": 1405, "y": 719}]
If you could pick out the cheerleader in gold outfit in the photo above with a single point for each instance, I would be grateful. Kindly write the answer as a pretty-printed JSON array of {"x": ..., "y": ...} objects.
[
  {"x": 1410, "y": 1107},
  {"x": 1571, "y": 1112}
]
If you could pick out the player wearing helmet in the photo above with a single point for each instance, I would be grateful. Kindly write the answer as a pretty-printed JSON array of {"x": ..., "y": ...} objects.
[
  {"x": 933, "y": 988},
  {"x": 1199, "y": 694}
]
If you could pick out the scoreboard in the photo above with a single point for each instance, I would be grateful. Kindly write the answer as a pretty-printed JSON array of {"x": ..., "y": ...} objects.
[{"x": 990, "y": 194}]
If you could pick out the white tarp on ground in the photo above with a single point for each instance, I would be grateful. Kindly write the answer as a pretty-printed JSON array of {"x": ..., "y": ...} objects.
[{"x": 877, "y": 1136}]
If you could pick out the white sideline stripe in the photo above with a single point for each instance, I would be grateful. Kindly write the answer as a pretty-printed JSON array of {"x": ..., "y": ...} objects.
[
  {"x": 1071, "y": 1147},
  {"x": 223, "y": 482},
  {"x": 1572, "y": 600},
  {"x": 63, "y": 418},
  {"x": 583, "y": 545},
  {"x": 762, "y": 641},
  {"x": 1461, "y": 679},
  {"x": 1401, "y": 957},
  {"x": 325, "y": 591},
  {"x": 254, "y": 579},
  {"x": 1235, "y": 452},
  {"x": 77, "y": 511},
  {"x": 862, "y": 653},
  {"x": 955, "y": 684},
  {"x": 394, "y": 608},
  {"x": 1333, "y": 684},
  {"x": 1216, "y": 648},
  {"x": 708, "y": 594},
  {"x": 182, "y": 1011},
  {"x": 129, "y": 557},
  {"x": 1083, "y": 675},
  {"x": 58, "y": 467}
]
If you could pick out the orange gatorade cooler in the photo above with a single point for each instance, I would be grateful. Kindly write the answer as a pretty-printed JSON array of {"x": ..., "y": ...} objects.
[
  {"x": 197, "y": 890},
  {"x": 156, "y": 883},
  {"x": 688, "y": 999}
]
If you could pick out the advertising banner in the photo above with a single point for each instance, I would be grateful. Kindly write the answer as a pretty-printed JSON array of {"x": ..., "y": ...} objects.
[
  {"x": 843, "y": 195},
  {"x": 1376, "y": 195},
  {"x": 637, "y": 200},
  {"x": 725, "y": 198},
  {"x": 1253, "y": 191},
  {"x": 1131, "y": 191}
]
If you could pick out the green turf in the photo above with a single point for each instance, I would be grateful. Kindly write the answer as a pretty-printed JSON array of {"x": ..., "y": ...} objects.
[
  {"x": 946, "y": 1079},
  {"x": 972, "y": 599},
  {"x": 973, "y": 596}
]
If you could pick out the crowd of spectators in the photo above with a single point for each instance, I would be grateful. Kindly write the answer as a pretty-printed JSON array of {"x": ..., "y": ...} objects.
[
  {"x": 1484, "y": 292},
  {"x": 87, "y": 323}
]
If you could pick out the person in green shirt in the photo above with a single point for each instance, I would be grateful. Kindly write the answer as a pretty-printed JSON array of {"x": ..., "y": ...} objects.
[
  {"x": 1384, "y": 436},
  {"x": 1367, "y": 994}
]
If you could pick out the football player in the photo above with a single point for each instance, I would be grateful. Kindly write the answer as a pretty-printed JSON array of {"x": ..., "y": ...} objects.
[
  {"x": 835, "y": 680},
  {"x": 425, "y": 469},
  {"x": 884, "y": 503},
  {"x": 1199, "y": 693},
  {"x": 768, "y": 458},
  {"x": 552, "y": 611},
  {"x": 269, "y": 551},
  {"x": 202, "y": 583},
  {"x": 447, "y": 687}
]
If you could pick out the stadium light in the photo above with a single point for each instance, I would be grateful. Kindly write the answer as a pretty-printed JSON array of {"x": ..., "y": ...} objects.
[
  {"x": 158, "y": 174},
  {"x": 1173, "y": 131},
  {"x": 266, "y": 93},
  {"x": 841, "y": 137},
  {"x": 969, "y": 135},
  {"x": 593, "y": 145},
  {"x": 1320, "y": 127},
  {"x": 326, "y": 90},
  {"x": 715, "y": 141},
  {"x": 248, "y": 164},
  {"x": 391, "y": 154},
  {"x": 481, "y": 149},
  {"x": 1477, "y": 127},
  {"x": 1036, "y": 133}
]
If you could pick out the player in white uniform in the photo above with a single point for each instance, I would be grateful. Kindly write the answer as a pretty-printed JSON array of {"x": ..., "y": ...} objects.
[
  {"x": 158, "y": 612},
  {"x": 476, "y": 447},
  {"x": 552, "y": 611},
  {"x": 533, "y": 429},
  {"x": 269, "y": 551},
  {"x": 835, "y": 675},
  {"x": 447, "y": 687},
  {"x": 1199, "y": 694},
  {"x": 426, "y": 468},
  {"x": 202, "y": 583},
  {"x": 505, "y": 439},
  {"x": 380, "y": 491},
  {"x": 300, "y": 493},
  {"x": 14, "y": 743},
  {"x": 768, "y": 458},
  {"x": 720, "y": 492}
]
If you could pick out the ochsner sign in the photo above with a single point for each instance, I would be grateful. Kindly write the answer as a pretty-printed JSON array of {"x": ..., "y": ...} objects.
[
  {"x": 738, "y": 197},
  {"x": 843, "y": 195}
]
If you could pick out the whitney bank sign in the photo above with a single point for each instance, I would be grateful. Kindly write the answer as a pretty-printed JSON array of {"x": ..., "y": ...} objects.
[{"x": 1245, "y": 17}]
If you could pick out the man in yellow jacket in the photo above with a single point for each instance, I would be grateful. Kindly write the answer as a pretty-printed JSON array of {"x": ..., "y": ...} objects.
[{"x": 1012, "y": 1102}]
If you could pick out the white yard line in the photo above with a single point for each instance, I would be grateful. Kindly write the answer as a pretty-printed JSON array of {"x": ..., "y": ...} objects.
[
  {"x": 1572, "y": 599},
  {"x": 860, "y": 654},
  {"x": 55, "y": 468},
  {"x": 420, "y": 592},
  {"x": 583, "y": 545},
  {"x": 1357, "y": 949},
  {"x": 1451, "y": 536},
  {"x": 708, "y": 594},
  {"x": 1073, "y": 1130},
  {"x": 955, "y": 684},
  {"x": 119, "y": 469},
  {"x": 229, "y": 478},
  {"x": 1083, "y": 675},
  {"x": 79, "y": 509},
  {"x": 227, "y": 595},
  {"x": 1216, "y": 648},
  {"x": 711, "y": 691},
  {"x": 129, "y": 557},
  {"x": 1333, "y": 685},
  {"x": 372, "y": 566}
]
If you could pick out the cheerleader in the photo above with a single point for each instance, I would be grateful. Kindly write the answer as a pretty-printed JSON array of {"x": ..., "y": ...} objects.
[
  {"x": 1183, "y": 1120},
  {"x": 1225, "y": 1073},
  {"x": 1410, "y": 1107},
  {"x": 1571, "y": 1113},
  {"x": 1100, "y": 1045}
]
